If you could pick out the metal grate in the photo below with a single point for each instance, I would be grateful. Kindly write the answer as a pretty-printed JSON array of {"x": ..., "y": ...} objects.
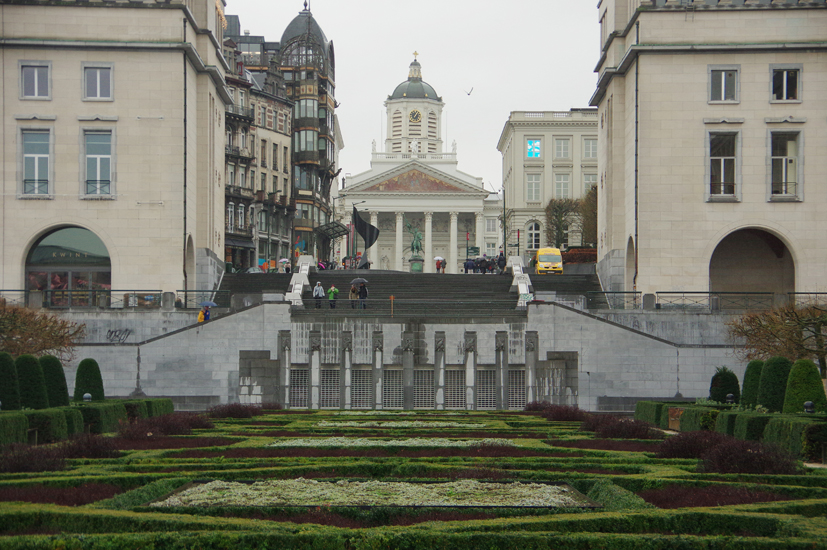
[
  {"x": 516, "y": 390},
  {"x": 298, "y": 387},
  {"x": 454, "y": 389},
  {"x": 329, "y": 390},
  {"x": 424, "y": 389},
  {"x": 392, "y": 394},
  {"x": 361, "y": 389},
  {"x": 486, "y": 390}
]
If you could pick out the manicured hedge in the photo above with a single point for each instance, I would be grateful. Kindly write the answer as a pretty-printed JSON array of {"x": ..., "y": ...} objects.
[
  {"x": 14, "y": 428},
  {"x": 725, "y": 423},
  {"x": 9, "y": 389},
  {"x": 88, "y": 380},
  {"x": 103, "y": 417},
  {"x": 773, "y": 383},
  {"x": 724, "y": 382},
  {"x": 49, "y": 423},
  {"x": 788, "y": 432},
  {"x": 698, "y": 418},
  {"x": 752, "y": 378},
  {"x": 650, "y": 411},
  {"x": 159, "y": 406},
  {"x": 136, "y": 409},
  {"x": 750, "y": 426},
  {"x": 55, "y": 381},
  {"x": 804, "y": 384},
  {"x": 74, "y": 420},
  {"x": 31, "y": 383}
]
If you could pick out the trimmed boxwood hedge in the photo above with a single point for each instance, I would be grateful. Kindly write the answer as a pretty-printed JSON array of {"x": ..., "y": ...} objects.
[
  {"x": 724, "y": 382},
  {"x": 103, "y": 417},
  {"x": 752, "y": 378},
  {"x": 788, "y": 432},
  {"x": 773, "y": 383},
  {"x": 31, "y": 383},
  {"x": 804, "y": 384},
  {"x": 750, "y": 426},
  {"x": 14, "y": 428},
  {"x": 136, "y": 408},
  {"x": 88, "y": 380},
  {"x": 650, "y": 411},
  {"x": 9, "y": 389},
  {"x": 698, "y": 418},
  {"x": 159, "y": 406},
  {"x": 74, "y": 420},
  {"x": 49, "y": 423},
  {"x": 725, "y": 423},
  {"x": 55, "y": 381}
]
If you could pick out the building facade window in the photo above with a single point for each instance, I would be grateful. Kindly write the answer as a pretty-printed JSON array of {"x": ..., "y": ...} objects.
[
  {"x": 562, "y": 187},
  {"x": 785, "y": 83},
  {"x": 724, "y": 83},
  {"x": 723, "y": 148},
  {"x": 532, "y": 192},
  {"x": 275, "y": 156},
  {"x": 97, "y": 82},
  {"x": 240, "y": 216},
  {"x": 263, "y": 182},
  {"x": 275, "y": 184},
  {"x": 242, "y": 178},
  {"x": 533, "y": 148},
  {"x": 590, "y": 148},
  {"x": 491, "y": 249},
  {"x": 230, "y": 215},
  {"x": 562, "y": 149},
  {"x": 98, "y": 152},
  {"x": 785, "y": 162},
  {"x": 35, "y": 79},
  {"x": 533, "y": 236},
  {"x": 36, "y": 161},
  {"x": 491, "y": 225},
  {"x": 231, "y": 175},
  {"x": 589, "y": 181}
]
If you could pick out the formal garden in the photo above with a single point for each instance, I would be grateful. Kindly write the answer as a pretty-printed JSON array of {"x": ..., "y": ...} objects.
[{"x": 741, "y": 469}]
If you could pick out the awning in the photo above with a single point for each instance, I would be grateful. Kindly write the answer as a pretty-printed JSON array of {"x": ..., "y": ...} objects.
[
  {"x": 237, "y": 243},
  {"x": 332, "y": 230}
]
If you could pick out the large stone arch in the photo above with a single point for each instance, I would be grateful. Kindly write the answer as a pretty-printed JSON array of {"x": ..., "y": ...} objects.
[
  {"x": 629, "y": 275},
  {"x": 752, "y": 260}
]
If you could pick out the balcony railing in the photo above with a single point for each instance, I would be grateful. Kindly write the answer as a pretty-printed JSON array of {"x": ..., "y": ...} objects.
[
  {"x": 784, "y": 188},
  {"x": 721, "y": 188},
  {"x": 234, "y": 190},
  {"x": 242, "y": 153},
  {"x": 99, "y": 298},
  {"x": 97, "y": 187},
  {"x": 239, "y": 111},
  {"x": 245, "y": 230},
  {"x": 35, "y": 187}
]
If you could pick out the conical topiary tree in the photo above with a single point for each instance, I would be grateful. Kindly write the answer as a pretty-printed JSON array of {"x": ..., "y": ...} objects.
[
  {"x": 773, "y": 383},
  {"x": 724, "y": 382},
  {"x": 752, "y": 377},
  {"x": 804, "y": 384},
  {"x": 31, "y": 383},
  {"x": 55, "y": 381},
  {"x": 9, "y": 389},
  {"x": 88, "y": 380}
]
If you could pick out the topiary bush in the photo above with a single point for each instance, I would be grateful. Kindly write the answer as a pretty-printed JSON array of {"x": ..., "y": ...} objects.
[
  {"x": 804, "y": 384},
  {"x": 55, "y": 381},
  {"x": 750, "y": 426},
  {"x": 9, "y": 389},
  {"x": 773, "y": 383},
  {"x": 14, "y": 428},
  {"x": 724, "y": 382},
  {"x": 49, "y": 423},
  {"x": 31, "y": 383},
  {"x": 752, "y": 377},
  {"x": 88, "y": 380}
]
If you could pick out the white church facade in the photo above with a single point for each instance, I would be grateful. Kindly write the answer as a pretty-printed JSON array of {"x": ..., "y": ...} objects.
[{"x": 415, "y": 183}]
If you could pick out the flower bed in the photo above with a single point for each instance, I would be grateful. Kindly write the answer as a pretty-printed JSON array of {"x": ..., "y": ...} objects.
[
  {"x": 308, "y": 492},
  {"x": 398, "y": 424},
  {"x": 409, "y": 442}
]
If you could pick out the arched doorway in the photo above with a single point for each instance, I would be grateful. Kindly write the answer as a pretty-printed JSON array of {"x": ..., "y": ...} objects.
[
  {"x": 629, "y": 279},
  {"x": 751, "y": 260},
  {"x": 71, "y": 265}
]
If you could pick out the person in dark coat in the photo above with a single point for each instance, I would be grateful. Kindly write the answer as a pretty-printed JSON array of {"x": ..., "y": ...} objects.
[
  {"x": 501, "y": 262},
  {"x": 318, "y": 293},
  {"x": 363, "y": 296}
]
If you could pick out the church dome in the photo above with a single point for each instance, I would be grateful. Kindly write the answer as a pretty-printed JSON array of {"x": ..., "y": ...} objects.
[
  {"x": 299, "y": 27},
  {"x": 415, "y": 87}
]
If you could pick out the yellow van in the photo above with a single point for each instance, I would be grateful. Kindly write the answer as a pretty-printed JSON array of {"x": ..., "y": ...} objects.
[{"x": 548, "y": 260}]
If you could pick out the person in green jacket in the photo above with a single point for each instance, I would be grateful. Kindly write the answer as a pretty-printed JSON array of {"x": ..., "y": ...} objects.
[{"x": 331, "y": 296}]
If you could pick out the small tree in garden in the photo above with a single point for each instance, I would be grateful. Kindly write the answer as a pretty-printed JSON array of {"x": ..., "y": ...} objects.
[
  {"x": 804, "y": 384},
  {"x": 31, "y": 383},
  {"x": 752, "y": 377},
  {"x": 9, "y": 389},
  {"x": 560, "y": 214},
  {"x": 24, "y": 330},
  {"x": 724, "y": 382},
  {"x": 773, "y": 383},
  {"x": 88, "y": 380},
  {"x": 55, "y": 381}
]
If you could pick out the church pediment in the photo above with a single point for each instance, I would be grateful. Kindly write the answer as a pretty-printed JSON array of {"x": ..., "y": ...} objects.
[{"x": 415, "y": 181}]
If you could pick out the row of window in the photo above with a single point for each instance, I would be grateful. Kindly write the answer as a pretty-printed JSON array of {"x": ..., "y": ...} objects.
[
  {"x": 237, "y": 176},
  {"x": 562, "y": 186},
  {"x": 36, "y": 81},
  {"x": 37, "y": 170},
  {"x": 785, "y": 83},
  {"x": 265, "y": 115},
  {"x": 240, "y": 216},
  {"x": 562, "y": 148}
]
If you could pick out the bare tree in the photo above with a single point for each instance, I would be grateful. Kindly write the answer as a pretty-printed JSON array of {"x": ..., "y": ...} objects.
[
  {"x": 789, "y": 331},
  {"x": 25, "y": 330},
  {"x": 588, "y": 217},
  {"x": 560, "y": 214}
]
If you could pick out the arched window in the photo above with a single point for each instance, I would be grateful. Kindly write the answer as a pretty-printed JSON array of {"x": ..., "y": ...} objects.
[
  {"x": 240, "y": 216},
  {"x": 243, "y": 143},
  {"x": 533, "y": 236},
  {"x": 229, "y": 137},
  {"x": 71, "y": 265},
  {"x": 230, "y": 215}
]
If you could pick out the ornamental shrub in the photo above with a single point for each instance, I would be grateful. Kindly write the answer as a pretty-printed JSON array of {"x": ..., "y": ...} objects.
[
  {"x": 564, "y": 413},
  {"x": 752, "y": 377},
  {"x": 19, "y": 457},
  {"x": 724, "y": 382},
  {"x": 14, "y": 428},
  {"x": 234, "y": 410},
  {"x": 9, "y": 389},
  {"x": 31, "y": 383},
  {"x": 773, "y": 383},
  {"x": 49, "y": 423},
  {"x": 748, "y": 457},
  {"x": 690, "y": 444},
  {"x": 804, "y": 384},
  {"x": 55, "y": 381},
  {"x": 88, "y": 380}
]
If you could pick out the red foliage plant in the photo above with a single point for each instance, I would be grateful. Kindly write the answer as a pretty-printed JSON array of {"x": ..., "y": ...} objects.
[
  {"x": 748, "y": 457},
  {"x": 580, "y": 256},
  {"x": 90, "y": 446},
  {"x": 180, "y": 423},
  {"x": 564, "y": 413},
  {"x": 679, "y": 496},
  {"x": 235, "y": 410},
  {"x": 62, "y": 496},
  {"x": 615, "y": 427},
  {"x": 691, "y": 444},
  {"x": 19, "y": 457}
]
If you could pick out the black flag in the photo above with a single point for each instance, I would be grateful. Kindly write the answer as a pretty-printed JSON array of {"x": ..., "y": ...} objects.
[{"x": 368, "y": 232}]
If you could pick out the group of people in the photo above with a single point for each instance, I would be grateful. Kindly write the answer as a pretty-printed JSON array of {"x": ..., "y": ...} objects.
[
  {"x": 358, "y": 296},
  {"x": 486, "y": 264}
]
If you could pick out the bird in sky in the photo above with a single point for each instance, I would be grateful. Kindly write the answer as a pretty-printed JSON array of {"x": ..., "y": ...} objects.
[{"x": 469, "y": 93}]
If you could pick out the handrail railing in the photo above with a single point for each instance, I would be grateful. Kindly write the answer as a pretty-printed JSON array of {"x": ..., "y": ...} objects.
[
  {"x": 409, "y": 307},
  {"x": 715, "y": 300},
  {"x": 192, "y": 299},
  {"x": 613, "y": 300},
  {"x": 801, "y": 299}
]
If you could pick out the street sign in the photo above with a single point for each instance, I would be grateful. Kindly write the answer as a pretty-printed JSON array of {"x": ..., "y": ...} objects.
[{"x": 473, "y": 251}]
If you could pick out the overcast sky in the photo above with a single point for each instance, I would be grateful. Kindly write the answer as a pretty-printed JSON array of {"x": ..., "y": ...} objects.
[{"x": 517, "y": 55}]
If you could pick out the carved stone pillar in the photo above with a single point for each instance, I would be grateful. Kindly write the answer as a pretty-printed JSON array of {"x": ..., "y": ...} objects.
[
  {"x": 452, "y": 250},
  {"x": 315, "y": 368},
  {"x": 373, "y": 251},
  {"x": 400, "y": 248},
  {"x": 501, "y": 347},
  {"x": 407, "y": 370},
  {"x": 429, "y": 266},
  {"x": 345, "y": 368},
  {"x": 377, "y": 345},
  {"x": 480, "y": 235},
  {"x": 531, "y": 352},
  {"x": 470, "y": 345},
  {"x": 283, "y": 392},
  {"x": 439, "y": 370}
]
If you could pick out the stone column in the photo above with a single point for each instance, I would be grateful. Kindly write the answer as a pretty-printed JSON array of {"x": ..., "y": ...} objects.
[
  {"x": 315, "y": 368},
  {"x": 452, "y": 250},
  {"x": 407, "y": 370},
  {"x": 373, "y": 251},
  {"x": 378, "y": 371},
  {"x": 346, "y": 370},
  {"x": 429, "y": 266},
  {"x": 480, "y": 232},
  {"x": 283, "y": 396},
  {"x": 439, "y": 370},
  {"x": 400, "y": 247},
  {"x": 470, "y": 345},
  {"x": 531, "y": 352},
  {"x": 501, "y": 347}
]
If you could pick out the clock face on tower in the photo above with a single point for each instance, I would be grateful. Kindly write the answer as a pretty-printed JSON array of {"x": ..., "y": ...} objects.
[{"x": 415, "y": 116}]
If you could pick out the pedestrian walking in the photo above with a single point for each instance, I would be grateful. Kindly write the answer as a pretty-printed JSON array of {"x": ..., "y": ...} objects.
[
  {"x": 354, "y": 296},
  {"x": 204, "y": 314},
  {"x": 501, "y": 262},
  {"x": 318, "y": 293},
  {"x": 331, "y": 296},
  {"x": 363, "y": 296}
]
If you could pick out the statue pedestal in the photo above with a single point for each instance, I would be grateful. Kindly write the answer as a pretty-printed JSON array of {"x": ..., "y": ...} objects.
[{"x": 416, "y": 264}]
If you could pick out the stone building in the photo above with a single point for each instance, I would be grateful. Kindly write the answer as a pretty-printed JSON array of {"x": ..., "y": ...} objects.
[
  {"x": 712, "y": 122},
  {"x": 113, "y": 146},
  {"x": 546, "y": 155}
]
